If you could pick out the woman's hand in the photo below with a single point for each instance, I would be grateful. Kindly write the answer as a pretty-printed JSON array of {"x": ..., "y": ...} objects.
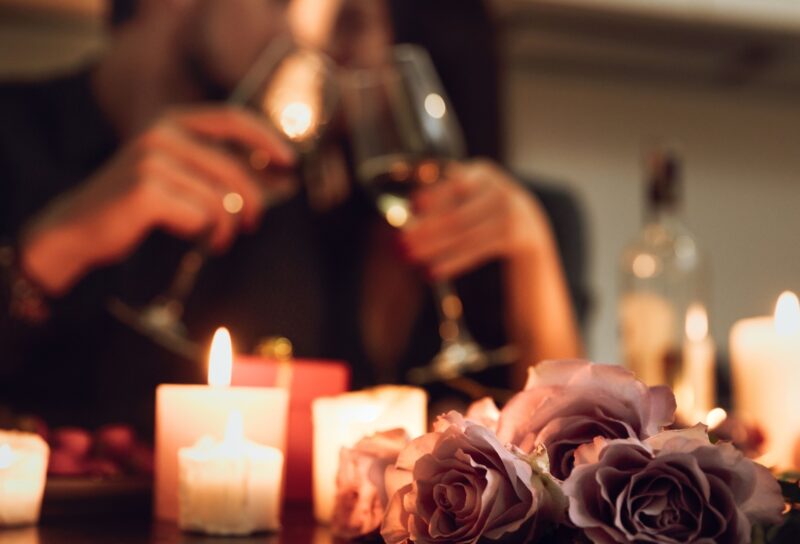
[
  {"x": 177, "y": 175},
  {"x": 476, "y": 214}
]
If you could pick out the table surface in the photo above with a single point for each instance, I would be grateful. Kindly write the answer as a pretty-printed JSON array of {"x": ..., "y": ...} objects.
[{"x": 298, "y": 528}]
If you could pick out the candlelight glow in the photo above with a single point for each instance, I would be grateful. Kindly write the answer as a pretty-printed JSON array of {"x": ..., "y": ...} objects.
[
  {"x": 696, "y": 322},
  {"x": 715, "y": 417},
  {"x": 296, "y": 120},
  {"x": 435, "y": 106},
  {"x": 644, "y": 265},
  {"x": 787, "y": 314},
  {"x": 220, "y": 359},
  {"x": 6, "y": 456},
  {"x": 234, "y": 428},
  {"x": 233, "y": 203},
  {"x": 397, "y": 215}
]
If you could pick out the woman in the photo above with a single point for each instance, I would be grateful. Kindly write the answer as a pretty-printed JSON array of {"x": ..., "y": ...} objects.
[{"x": 102, "y": 188}]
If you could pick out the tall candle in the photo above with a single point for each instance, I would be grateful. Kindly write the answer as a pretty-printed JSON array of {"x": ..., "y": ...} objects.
[
  {"x": 765, "y": 366},
  {"x": 23, "y": 470},
  {"x": 695, "y": 386},
  {"x": 231, "y": 487},
  {"x": 343, "y": 420},
  {"x": 186, "y": 413}
]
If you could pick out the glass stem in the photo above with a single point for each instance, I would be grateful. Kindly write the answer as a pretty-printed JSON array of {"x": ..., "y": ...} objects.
[
  {"x": 451, "y": 314},
  {"x": 184, "y": 280}
]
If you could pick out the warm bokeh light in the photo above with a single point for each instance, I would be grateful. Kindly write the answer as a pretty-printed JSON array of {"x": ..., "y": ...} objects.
[
  {"x": 312, "y": 21},
  {"x": 233, "y": 203},
  {"x": 435, "y": 106},
  {"x": 715, "y": 417},
  {"x": 397, "y": 215},
  {"x": 296, "y": 120},
  {"x": 220, "y": 359},
  {"x": 6, "y": 456},
  {"x": 787, "y": 314},
  {"x": 644, "y": 265},
  {"x": 428, "y": 172},
  {"x": 696, "y": 322}
]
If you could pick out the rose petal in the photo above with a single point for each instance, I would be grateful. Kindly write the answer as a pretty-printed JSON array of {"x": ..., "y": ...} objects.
[{"x": 484, "y": 412}]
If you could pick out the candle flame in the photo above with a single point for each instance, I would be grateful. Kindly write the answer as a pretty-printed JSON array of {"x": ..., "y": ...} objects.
[
  {"x": 220, "y": 359},
  {"x": 715, "y": 417},
  {"x": 696, "y": 322},
  {"x": 6, "y": 456},
  {"x": 787, "y": 314},
  {"x": 296, "y": 120},
  {"x": 234, "y": 428}
]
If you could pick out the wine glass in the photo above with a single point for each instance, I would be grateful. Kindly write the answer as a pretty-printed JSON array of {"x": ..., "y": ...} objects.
[
  {"x": 404, "y": 133},
  {"x": 295, "y": 90}
]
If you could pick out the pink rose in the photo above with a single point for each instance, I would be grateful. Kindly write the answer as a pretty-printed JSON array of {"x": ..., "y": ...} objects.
[
  {"x": 673, "y": 487},
  {"x": 569, "y": 403},
  {"x": 459, "y": 484},
  {"x": 485, "y": 412},
  {"x": 360, "y": 485}
]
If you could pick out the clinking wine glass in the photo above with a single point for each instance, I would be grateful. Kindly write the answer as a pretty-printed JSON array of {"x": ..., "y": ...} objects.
[
  {"x": 404, "y": 133},
  {"x": 295, "y": 90}
]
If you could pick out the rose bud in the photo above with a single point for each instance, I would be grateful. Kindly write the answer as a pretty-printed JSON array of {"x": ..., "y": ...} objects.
[
  {"x": 116, "y": 441},
  {"x": 74, "y": 440},
  {"x": 66, "y": 463}
]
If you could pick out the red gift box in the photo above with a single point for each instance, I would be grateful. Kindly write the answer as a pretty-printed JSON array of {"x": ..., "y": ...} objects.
[{"x": 309, "y": 380}]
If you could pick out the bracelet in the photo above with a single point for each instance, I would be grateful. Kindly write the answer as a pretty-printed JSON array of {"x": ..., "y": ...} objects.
[{"x": 26, "y": 301}]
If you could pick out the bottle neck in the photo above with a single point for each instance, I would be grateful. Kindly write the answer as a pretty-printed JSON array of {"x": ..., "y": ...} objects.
[{"x": 662, "y": 212}]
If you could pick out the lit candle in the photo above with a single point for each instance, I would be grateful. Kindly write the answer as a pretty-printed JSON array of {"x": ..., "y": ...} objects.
[
  {"x": 307, "y": 380},
  {"x": 232, "y": 487},
  {"x": 186, "y": 413},
  {"x": 695, "y": 387},
  {"x": 23, "y": 470},
  {"x": 765, "y": 364},
  {"x": 343, "y": 420}
]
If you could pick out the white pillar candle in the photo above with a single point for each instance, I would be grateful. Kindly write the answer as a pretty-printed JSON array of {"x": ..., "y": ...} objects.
[
  {"x": 765, "y": 366},
  {"x": 23, "y": 471},
  {"x": 186, "y": 413},
  {"x": 231, "y": 487},
  {"x": 695, "y": 386},
  {"x": 343, "y": 420}
]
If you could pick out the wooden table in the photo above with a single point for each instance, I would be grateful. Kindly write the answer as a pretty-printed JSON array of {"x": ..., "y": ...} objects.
[{"x": 139, "y": 528}]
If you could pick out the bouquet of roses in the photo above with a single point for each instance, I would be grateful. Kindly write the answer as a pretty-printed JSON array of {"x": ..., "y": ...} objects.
[{"x": 580, "y": 454}]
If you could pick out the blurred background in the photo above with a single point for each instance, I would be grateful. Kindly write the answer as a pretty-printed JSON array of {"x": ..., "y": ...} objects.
[{"x": 587, "y": 84}]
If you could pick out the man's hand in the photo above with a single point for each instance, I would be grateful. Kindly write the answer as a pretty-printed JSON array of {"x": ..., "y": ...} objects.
[{"x": 176, "y": 176}]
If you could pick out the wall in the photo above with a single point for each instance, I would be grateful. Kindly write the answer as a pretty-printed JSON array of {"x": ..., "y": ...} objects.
[{"x": 742, "y": 164}]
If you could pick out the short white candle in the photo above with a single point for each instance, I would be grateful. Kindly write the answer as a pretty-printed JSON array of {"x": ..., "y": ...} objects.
[
  {"x": 232, "y": 487},
  {"x": 186, "y": 413},
  {"x": 765, "y": 366},
  {"x": 23, "y": 471},
  {"x": 343, "y": 420}
]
